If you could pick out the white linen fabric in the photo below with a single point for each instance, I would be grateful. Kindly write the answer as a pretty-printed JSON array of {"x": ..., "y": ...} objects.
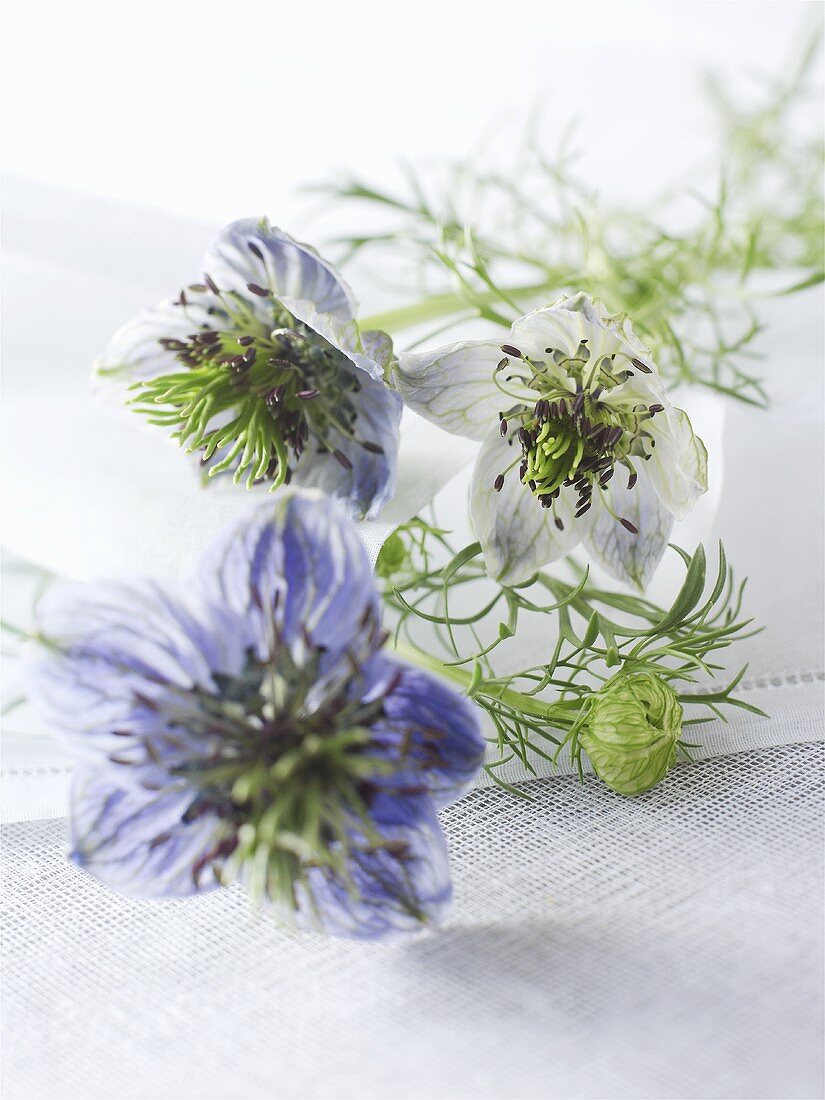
[{"x": 665, "y": 947}]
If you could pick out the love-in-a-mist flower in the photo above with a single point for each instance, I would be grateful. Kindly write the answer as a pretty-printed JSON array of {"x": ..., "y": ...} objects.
[
  {"x": 248, "y": 725},
  {"x": 579, "y": 440},
  {"x": 261, "y": 369}
]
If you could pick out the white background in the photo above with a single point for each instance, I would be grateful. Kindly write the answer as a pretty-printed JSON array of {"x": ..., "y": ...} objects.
[{"x": 219, "y": 110}]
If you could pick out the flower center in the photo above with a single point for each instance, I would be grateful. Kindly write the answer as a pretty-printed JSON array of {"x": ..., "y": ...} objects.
[
  {"x": 252, "y": 396},
  {"x": 290, "y": 778},
  {"x": 572, "y": 438}
]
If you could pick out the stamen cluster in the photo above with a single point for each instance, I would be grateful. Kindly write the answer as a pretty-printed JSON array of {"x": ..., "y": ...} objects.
[
  {"x": 252, "y": 397},
  {"x": 291, "y": 781},
  {"x": 573, "y": 437}
]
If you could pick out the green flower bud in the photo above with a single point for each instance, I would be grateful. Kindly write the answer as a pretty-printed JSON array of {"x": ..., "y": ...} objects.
[
  {"x": 392, "y": 557},
  {"x": 631, "y": 732}
]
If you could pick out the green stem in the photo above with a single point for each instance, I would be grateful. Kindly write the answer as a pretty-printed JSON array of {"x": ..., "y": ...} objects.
[
  {"x": 462, "y": 678},
  {"x": 438, "y": 306}
]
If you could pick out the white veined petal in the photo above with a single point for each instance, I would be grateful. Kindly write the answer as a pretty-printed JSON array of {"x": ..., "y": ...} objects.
[
  {"x": 455, "y": 386},
  {"x": 678, "y": 467},
  {"x": 517, "y": 535},
  {"x": 571, "y": 320},
  {"x": 253, "y": 252},
  {"x": 632, "y": 558},
  {"x": 135, "y": 352}
]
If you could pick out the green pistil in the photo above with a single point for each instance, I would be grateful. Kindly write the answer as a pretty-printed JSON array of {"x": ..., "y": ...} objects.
[
  {"x": 250, "y": 398},
  {"x": 572, "y": 438}
]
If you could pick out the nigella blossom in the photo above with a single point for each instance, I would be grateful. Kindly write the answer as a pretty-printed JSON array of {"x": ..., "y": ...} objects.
[
  {"x": 579, "y": 440},
  {"x": 261, "y": 369},
  {"x": 248, "y": 725}
]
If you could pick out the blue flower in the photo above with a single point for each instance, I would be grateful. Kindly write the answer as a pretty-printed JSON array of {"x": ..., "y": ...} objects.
[
  {"x": 249, "y": 725},
  {"x": 262, "y": 370}
]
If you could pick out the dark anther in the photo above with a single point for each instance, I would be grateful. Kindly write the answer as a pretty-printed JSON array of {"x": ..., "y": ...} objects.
[
  {"x": 596, "y": 433},
  {"x": 631, "y": 481},
  {"x": 503, "y": 426},
  {"x": 532, "y": 485},
  {"x": 210, "y": 282},
  {"x": 656, "y": 408},
  {"x": 253, "y": 288},
  {"x": 253, "y": 248},
  {"x": 558, "y": 523},
  {"x": 508, "y": 349},
  {"x": 373, "y": 448},
  {"x": 342, "y": 460},
  {"x": 582, "y": 510},
  {"x": 502, "y": 363},
  {"x": 245, "y": 341},
  {"x": 307, "y": 395},
  {"x": 639, "y": 365},
  {"x": 499, "y": 483},
  {"x": 628, "y": 526},
  {"x": 603, "y": 480}
]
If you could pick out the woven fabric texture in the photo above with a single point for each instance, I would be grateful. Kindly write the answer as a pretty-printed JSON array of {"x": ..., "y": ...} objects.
[{"x": 668, "y": 946}]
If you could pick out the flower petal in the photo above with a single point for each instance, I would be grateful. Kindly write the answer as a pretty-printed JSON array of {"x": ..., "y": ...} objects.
[
  {"x": 384, "y": 890},
  {"x": 517, "y": 535},
  {"x": 632, "y": 558},
  {"x": 135, "y": 352},
  {"x": 571, "y": 320},
  {"x": 251, "y": 251},
  {"x": 430, "y": 730},
  {"x": 370, "y": 481},
  {"x": 296, "y": 566},
  {"x": 678, "y": 468},
  {"x": 454, "y": 386},
  {"x": 140, "y": 841},
  {"x": 116, "y": 657}
]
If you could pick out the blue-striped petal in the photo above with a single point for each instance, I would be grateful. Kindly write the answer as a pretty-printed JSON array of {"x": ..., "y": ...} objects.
[
  {"x": 298, "y": 573},
  {"x": 368, "y": 478},
  {"x": 253, "y": 252},
  {"x": 427, "y": 729},
  {"x": 143, "y": 843},
  {"x": 386, "y": 890}
]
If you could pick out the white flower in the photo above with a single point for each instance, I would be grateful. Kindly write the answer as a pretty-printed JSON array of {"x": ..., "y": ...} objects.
[{"x": 579, "y": 441}]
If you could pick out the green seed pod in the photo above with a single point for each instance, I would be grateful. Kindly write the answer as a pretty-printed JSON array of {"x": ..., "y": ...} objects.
[
  {"x": 392, "y": 557},
  {"x": 631, "y": 732}
]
